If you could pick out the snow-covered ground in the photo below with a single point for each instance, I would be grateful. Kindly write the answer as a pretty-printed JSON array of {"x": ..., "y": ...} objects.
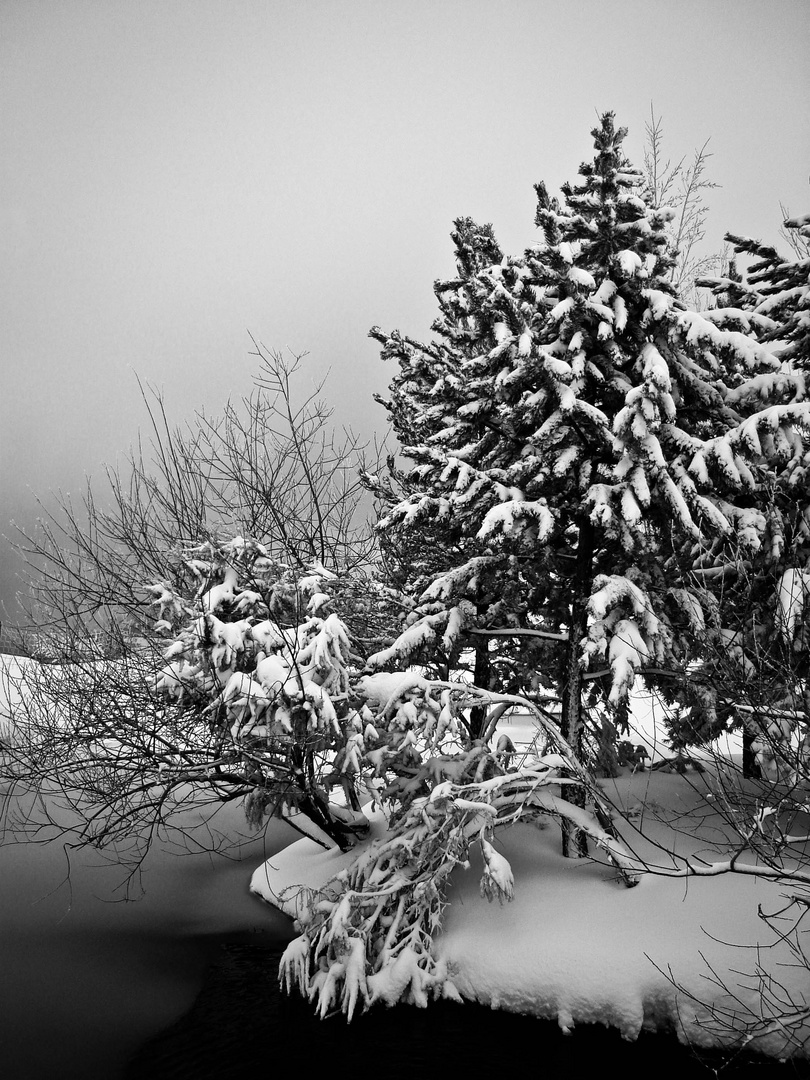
[{"x": 578, "y": 946}]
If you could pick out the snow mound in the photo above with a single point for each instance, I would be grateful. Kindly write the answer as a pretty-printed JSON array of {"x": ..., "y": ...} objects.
[{"x": 575, "y": 945}]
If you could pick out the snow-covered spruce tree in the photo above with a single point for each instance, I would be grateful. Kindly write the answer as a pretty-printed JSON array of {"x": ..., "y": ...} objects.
[
  {"x": 756, "y": 673},
  {"x": 414, "y": 557},
  {"x": 754, "y": 668},
  {"x": 781, "y": 287},
  {"x": 761, "y": 661},
  {"x": 585, "y": 435}
]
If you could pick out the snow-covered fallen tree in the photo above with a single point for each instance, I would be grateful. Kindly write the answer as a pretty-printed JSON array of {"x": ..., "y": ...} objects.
[{"x": 369, "y": 934}]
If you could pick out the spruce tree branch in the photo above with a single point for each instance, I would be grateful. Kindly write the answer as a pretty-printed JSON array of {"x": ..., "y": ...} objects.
[{"x": 521, "y": 632}]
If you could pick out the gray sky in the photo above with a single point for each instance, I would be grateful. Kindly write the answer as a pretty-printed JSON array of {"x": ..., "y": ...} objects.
[{"x": 178, "y": 173}]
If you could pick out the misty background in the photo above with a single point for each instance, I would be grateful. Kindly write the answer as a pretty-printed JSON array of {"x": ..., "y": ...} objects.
[{"x": 177, "y": 175}]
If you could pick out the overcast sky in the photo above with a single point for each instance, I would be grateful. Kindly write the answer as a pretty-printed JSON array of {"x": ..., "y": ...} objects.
[{"x": 177, "y": 174}]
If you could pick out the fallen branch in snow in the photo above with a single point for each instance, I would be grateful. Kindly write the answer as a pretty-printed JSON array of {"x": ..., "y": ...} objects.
[
  {"x": 733, "y": 866},
  {"x": 368, "y": 935}
]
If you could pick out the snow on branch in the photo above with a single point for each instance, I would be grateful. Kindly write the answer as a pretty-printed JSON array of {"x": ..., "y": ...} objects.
[
  {"x": 514, "y": 515},
  {"x": 624, "y": 628},
  {"x": 413, "y": 638}
]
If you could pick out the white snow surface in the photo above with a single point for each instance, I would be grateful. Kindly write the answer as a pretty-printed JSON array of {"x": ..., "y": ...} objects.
[{"x": 575, "y": 944}]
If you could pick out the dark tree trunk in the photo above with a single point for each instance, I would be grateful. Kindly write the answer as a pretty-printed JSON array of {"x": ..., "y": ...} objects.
[
  {"x": 574, "y": 842},
  {"x": 481, "y": 674},
  {"x": 750, "y": 768},
  {"x": 308, "y": 799}
]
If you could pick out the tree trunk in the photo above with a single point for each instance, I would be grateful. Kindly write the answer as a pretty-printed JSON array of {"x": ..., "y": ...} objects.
[
  {"x": 308, "y": 799},
  {"x": 479, "y": 713},
  {"x": 750, "y": 769},
  {"x": 574, "y": 841}
]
